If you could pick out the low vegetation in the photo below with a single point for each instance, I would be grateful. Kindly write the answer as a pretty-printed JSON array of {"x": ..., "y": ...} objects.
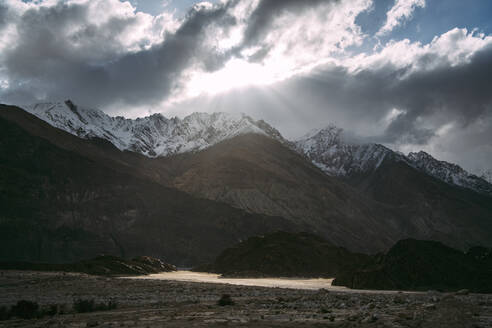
[
  {"x": 89, "y": 305},
  {"x": 26, "y": 309},
  {"x": 226, "y": 299}
]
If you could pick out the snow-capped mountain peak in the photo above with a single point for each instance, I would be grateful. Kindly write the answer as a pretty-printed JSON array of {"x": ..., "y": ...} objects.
[
  {"x": 157, "y": 135},
  {"x": 328, "y": 150},
  {"x": 327, "y": 136},
  {"x": 154, "y": 135}
]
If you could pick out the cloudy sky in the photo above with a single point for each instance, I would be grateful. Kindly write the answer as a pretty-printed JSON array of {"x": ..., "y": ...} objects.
[{"x": 411, "y": 74}]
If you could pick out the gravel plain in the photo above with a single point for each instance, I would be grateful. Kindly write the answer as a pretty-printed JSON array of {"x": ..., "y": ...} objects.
[{"x": 167, "y": 303}]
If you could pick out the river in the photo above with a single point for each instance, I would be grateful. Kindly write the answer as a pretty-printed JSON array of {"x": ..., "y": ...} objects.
[{"x": 295, "y": 283}]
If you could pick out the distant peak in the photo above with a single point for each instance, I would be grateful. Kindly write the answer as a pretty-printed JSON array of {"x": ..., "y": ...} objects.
[
  {"x": 420, "y": 154},
  {"x": 158, "y": 116},
  {"x": 329, "y": 135}
]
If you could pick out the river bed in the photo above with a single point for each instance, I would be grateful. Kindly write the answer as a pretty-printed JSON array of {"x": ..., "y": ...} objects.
[{"x": 291, "y": 283}]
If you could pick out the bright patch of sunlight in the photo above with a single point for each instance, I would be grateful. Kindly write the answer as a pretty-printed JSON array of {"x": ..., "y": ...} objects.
[{"x": 235, "y": 74}]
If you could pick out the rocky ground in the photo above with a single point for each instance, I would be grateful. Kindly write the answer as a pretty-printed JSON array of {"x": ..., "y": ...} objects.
[{"x": 157, "y": 303}]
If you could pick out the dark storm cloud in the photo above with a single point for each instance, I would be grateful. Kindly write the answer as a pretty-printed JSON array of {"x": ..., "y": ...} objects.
[
  {"x": 59, "y": 54},
  {"x": 404, "y": 130},
  {"x": 264, "y": 15},
  {"x": 151, "y": 75},
  {"x": 463, "y": 91},
  {"x": 103, "y": 73},
  {"x": 3, "y": 15},
  {"x": 459, "y": 93}
]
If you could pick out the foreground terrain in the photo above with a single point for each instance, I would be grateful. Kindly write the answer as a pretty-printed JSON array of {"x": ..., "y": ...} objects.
[{"x": 157, "y": 303}]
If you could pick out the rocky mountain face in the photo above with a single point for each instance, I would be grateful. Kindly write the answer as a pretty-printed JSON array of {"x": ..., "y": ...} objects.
[
  {"x": 188, "y": 207},
  {"x": 261, "y": 175},
  {"x": 154, "y": 135},
  {"x": 327, "y": 149},
  {"x": 367, "y": 213}
]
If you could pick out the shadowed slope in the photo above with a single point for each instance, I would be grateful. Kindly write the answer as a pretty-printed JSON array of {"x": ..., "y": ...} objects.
[
  {"x": 394, "y": 202},
  {"x": 456, "y": 216}
]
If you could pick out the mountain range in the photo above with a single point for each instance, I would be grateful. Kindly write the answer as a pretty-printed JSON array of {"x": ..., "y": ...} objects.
[
  {"x": 77, "y": 182},
  {"x": 157, "y": 136},
  {"x": 152, "y": 136},
  {"x": 327, "y": 150}
]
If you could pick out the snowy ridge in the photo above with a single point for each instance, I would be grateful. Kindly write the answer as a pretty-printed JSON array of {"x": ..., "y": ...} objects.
[
  {"x": 327, "y": 150},
  {"x": 154, "y": 135},
  {"x": 448, "y": 172}
]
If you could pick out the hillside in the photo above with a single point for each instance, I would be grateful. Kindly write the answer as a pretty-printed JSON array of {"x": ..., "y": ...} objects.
[
  {"x": 423, "y": 265},
  {"x": 283, "y": 254}
]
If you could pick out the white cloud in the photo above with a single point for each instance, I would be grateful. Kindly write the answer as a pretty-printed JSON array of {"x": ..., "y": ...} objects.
[
  {"x": 295, "y": 42},
  {"x": 401, "y": 11},
  {"x": 452, "y": 48},
  {"x": 97, "y": 30}
]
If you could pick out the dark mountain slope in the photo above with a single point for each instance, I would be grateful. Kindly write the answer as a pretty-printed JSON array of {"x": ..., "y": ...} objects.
[
  {"x": 395, "y": 202},
  {"x": 59, "y": 205},
  {"x": 262, "y": 175},
  {"x": 457, "y": 216}
]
